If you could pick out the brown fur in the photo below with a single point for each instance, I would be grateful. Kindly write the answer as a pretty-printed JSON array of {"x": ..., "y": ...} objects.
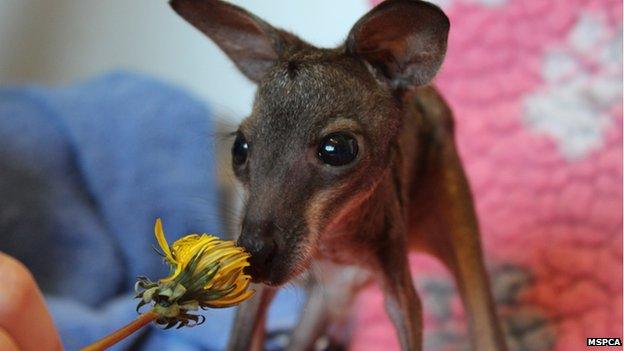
[{"x": 355, "y": 223}]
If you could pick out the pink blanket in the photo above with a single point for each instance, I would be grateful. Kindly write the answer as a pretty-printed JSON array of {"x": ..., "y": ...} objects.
[{"x": 537, "y": 92}]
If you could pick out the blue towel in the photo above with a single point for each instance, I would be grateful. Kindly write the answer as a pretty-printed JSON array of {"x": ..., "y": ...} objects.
[{"x": 84, "y": 172}]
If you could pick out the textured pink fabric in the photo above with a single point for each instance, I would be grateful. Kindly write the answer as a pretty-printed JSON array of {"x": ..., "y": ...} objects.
[{"x": 537, "y": 93}]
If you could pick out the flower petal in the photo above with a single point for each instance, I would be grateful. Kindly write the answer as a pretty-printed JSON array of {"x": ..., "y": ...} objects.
[
  {"x": 162, "y": 241},
  {"x": 224, "y": 302}
]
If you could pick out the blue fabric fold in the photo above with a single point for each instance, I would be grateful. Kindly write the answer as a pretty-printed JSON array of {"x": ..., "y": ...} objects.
[{"x": 84, "y": 172}]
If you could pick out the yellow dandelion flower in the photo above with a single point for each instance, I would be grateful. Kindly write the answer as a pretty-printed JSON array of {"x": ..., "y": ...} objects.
[{"x": 205, "y": 272}]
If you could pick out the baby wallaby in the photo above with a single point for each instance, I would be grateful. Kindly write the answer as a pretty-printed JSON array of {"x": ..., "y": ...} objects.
[{"x": 348, "y": 163}]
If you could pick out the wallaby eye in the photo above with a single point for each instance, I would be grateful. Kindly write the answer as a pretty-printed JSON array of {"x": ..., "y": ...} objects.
[
  {"x": 240, "y": 149},
  {"x": 338, "y": 149}
]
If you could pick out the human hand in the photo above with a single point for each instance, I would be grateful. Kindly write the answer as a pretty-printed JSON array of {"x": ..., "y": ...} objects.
[{"x": 25, "y": 323}]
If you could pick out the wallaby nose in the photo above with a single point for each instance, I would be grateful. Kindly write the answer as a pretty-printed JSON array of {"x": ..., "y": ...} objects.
[{"x": 257, "y": 239}]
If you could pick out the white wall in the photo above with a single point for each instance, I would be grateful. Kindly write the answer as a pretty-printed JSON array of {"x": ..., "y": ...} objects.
[{"x": 60, "y": 41}]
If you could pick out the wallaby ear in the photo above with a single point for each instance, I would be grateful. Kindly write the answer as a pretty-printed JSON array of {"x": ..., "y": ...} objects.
[
  {"x": 251, "y": 43},
  {"x": 404, "y": 40}
]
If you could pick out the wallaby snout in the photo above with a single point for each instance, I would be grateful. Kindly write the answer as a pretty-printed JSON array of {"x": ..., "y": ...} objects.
[
  {"x": 273, "y": 261},
  {"x": 258, "y": 239}
]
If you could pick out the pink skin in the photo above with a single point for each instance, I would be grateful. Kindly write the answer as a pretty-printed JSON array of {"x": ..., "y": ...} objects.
[
  {"x": 558, "y": 218},
  {"x": 25, "y": 323}
]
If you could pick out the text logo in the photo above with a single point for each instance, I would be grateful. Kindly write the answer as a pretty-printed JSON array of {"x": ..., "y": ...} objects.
[{"x": 604, "y": 342}]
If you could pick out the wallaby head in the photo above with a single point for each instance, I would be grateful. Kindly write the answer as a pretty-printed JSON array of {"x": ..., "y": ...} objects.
[{"x": 323, "y": 121}]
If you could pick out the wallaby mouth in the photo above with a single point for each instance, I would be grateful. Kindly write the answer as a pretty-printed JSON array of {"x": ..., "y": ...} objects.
[
  {"x": 261, "y": 264},
  {"x": 271, "y": 264}
]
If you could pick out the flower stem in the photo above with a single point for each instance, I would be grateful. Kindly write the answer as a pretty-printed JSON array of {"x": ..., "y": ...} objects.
[{"x": 122, "y": 333}]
